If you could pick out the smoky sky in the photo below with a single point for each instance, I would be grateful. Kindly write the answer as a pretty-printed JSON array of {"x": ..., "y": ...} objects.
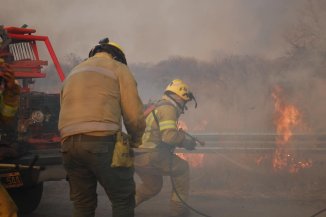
[
  {"x": 231, "y": 53},
  {"x": 151, "y": 30}
]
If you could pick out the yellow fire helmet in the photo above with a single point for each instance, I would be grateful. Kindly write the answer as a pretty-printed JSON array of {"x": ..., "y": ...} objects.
[
  {"x": 114, "y": 44},
  {"x": 105, "y": 45},
  {"x": 180, "y": 88}
]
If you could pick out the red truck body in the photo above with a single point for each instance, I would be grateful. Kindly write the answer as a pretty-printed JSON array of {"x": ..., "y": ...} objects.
[{"x": 36, "y": 137}]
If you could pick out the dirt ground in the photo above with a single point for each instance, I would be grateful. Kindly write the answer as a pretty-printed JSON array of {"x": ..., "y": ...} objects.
[
  {"x": 55, "y": 202},
  {"x": 229, "y": 184}
]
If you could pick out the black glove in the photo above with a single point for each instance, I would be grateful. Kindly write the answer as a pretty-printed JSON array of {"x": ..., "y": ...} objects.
[{"x": 189, "y": 144}]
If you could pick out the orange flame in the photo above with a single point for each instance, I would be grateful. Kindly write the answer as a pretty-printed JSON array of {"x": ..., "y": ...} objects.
[
  {"x": 195, "y": 160},
  {"x": 288, "y": 117}
]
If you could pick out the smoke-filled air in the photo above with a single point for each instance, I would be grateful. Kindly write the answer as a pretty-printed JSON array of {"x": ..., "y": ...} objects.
[
  {"x": 233, "y": 54},
  {"x": 257, "y": 69}
]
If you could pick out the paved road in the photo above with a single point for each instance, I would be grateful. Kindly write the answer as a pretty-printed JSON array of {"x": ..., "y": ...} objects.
[{"x": 55, "y": 203}]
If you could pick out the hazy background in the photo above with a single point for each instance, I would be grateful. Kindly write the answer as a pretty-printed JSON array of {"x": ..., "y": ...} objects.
[
  {"x": 151, "y": 31},
  {"x": 232, "y": 53}
]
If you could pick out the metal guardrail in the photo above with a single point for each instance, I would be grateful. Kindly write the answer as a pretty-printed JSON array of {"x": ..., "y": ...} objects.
[
  {"x": 216, "y": 143},
  {"x": 257, "y": 141}
]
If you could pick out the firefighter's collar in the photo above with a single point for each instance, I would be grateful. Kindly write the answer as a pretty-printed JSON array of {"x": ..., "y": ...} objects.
[{"x": 174, "y": 103}]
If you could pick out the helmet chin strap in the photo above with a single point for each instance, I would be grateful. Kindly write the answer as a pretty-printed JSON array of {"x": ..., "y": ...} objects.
[
  {"x": 180, "y": 106},
  {"x": 183, "y": 107}
]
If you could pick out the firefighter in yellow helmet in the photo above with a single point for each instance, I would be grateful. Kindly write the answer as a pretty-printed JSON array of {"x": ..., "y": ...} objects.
[
  {"x": 160, "y": 139},
  {"x": 9, "y": 100},
  {"x": 97, "y": 96}
]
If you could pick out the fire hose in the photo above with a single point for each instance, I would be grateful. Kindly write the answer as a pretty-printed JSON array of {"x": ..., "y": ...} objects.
[
  {"x": 177, "y": 193},
  {"x": 173, "y": 182},
  {"x": 185, "y": 203},
  {"x": 319, "y": 212},
  {"x": 171, "y": 164}
]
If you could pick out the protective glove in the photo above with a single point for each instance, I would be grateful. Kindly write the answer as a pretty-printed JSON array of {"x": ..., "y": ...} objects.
[
  {"x": 132, "y": 142},
  {"x": 189, "y": 144}
]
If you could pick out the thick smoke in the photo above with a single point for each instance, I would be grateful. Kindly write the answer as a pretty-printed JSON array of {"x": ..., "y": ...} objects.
[
  {"x": 235, "y": 93},
  {"x": 222, "y": 49},
  {"x": 232, "y": 54},
  {"x": 151, "y": 31}
]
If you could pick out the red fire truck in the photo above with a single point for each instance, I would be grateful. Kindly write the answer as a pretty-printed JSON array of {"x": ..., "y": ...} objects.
[{"x": 35, "y": 137}]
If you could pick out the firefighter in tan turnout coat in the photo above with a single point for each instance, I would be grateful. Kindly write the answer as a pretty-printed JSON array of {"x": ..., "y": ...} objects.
[
  {"x": 96, "y": 97},
  {"x": 161, "y": 137}
]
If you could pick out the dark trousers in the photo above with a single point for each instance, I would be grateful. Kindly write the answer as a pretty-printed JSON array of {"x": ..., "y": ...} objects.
[{"x": 87, "y": 160}]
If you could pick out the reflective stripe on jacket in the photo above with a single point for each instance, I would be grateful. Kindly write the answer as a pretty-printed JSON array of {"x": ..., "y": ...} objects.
[
  {"x": 167, "y": 115},
  {"x": 96, "y": 95}
]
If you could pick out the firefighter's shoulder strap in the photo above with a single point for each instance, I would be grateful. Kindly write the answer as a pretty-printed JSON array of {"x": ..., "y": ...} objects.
[
  {"x": 152, "y": 107},
  {"x": 156, "y": 119},
  {"x": 149, "y": 108}
]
